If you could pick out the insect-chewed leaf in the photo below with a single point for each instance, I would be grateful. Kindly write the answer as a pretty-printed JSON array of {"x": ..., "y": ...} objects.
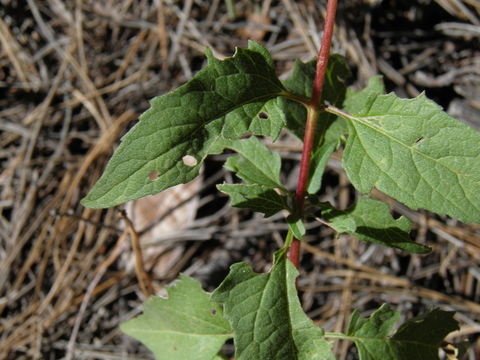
[
  {"x": 416, "y": 153},
  {"x": 223, "y": 101}
]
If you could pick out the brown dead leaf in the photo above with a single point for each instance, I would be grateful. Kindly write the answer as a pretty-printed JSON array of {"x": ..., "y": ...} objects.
[
  {"x": 153, "y": 215},
  {"x": 254, "y": 29}
]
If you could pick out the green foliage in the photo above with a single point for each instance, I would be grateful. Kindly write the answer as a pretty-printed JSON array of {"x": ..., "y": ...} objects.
[
  {"x": 370, "y": 220},
  {"x": 408, "y": 149},
  {"x": 356, "y": 101},
  {"x": 258, "y": 198},
  {"x": 185, "y": 326},
  {"x": 223, "y": 101},
  {"x": 255, "y": 164},
  {"x": 266, "y": 315},
  {"x": 296, "y": 226},
  {"x": 260, "y": 169},
  {"x": 418, "y": 338},
  {"x": 416, "y": 153}
]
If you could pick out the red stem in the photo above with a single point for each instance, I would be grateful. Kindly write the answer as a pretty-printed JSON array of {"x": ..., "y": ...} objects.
[
  {"x": 312, "y": 115},
  {"x": 324, "y": 52}
]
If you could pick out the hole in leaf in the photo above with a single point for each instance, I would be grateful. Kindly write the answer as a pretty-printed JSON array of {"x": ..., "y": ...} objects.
[
  {"x": 153, "y": 175},
  {"x": 419, "y": 140},
  {"x": 189, "y": 160},
  {"x": 213, "y": 312},
  {"x": 263, "y": 115}
]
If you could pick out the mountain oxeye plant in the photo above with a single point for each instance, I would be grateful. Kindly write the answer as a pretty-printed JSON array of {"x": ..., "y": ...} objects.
[{"x": 408, "y": 149}]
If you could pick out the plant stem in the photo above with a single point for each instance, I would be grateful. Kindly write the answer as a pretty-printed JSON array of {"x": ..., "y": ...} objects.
[
  {"x": 312, "y": 115},
  {"x": 324, "y": 53}
]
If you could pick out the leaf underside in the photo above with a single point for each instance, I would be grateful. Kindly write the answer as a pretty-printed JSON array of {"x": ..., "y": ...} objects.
[
  {"x": 414, "y": 152},
  {"x": 185, "y": 326},
  {"x": 260, "y": 169},
  {"x": 266, "y": 316},
  {"x": 418, "y": 338},
  {"x": 370, "y": 220},
  {"x": 225, "y": 100},
  {"x": 258, "y": 198},
  {"x": 255, "y": 164}
]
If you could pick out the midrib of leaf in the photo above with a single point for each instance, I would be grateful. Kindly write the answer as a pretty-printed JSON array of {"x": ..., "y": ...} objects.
[
  {"x": 360, "y": 140},
  {"x": 290, "y": 320},
  {"x": 260, "y": 306},
  {"x": 264, "y": 291},
  {"x": 287, "y": 301},
  {"x": 360, "y": 120},
  {"x": 190, "y": 316}
]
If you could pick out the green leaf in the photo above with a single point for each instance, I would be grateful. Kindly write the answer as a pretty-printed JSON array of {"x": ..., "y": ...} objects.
[
  {"x": 258, "y": 198},
  {"x": 370, "y": 220},
  {"x": 300, "y": 82},
  {"x": 296, "y": 226},
  {"x": 258, "y": 118},
  {"x": 260, "y": 168},
  {"x": 266, "y": 316},
  {"x": 255, "y": 164},
  {"x": 223, "y": 101},
  {"x": 356, "y": 101},
  {"x": 281, "y": 253},
  {"x": 418, "y": 338},
  {"x": 331, "y": 140},
  {"x": 416, "y": 153},
  {"x": 187, "y": 325},
  {"x": 341, "y": 221}
]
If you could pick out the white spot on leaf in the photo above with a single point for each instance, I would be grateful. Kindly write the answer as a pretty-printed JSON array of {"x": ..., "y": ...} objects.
[{"x": 189, "y": 160}]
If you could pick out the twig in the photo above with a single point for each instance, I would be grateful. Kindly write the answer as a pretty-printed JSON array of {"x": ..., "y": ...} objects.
[{"x": 144, "y": 280}]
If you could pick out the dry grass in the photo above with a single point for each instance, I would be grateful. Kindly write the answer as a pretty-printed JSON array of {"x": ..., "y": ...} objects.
[{"x": 74, "y": 75}]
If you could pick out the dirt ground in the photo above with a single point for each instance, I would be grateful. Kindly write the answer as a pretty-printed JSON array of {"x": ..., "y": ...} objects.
[{"x": 75, "y": 75}]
